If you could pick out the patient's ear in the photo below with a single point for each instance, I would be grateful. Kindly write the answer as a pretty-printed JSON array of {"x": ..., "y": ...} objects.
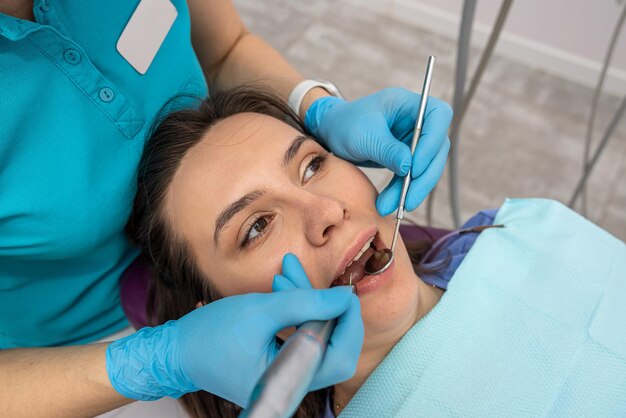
[{"x": 200, "y": 304}]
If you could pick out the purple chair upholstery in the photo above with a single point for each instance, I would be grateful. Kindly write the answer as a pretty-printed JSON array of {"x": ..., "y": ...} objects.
[
  {"x": 134, "y": 285},
  {"x": 135, "y": 281},
  {"x": 414, "y": 233}
]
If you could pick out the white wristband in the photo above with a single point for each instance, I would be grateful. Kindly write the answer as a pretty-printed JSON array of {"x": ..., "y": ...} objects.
[{"x": 299, "y": 91}]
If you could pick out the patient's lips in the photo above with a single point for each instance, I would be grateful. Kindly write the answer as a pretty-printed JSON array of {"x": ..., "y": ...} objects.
[
  {"x": 356, "y": 270},
  {"x": 363, "y": 282}
]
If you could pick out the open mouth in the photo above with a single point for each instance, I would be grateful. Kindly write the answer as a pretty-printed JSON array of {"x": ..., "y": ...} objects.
[{"x": 356, "y": 268}]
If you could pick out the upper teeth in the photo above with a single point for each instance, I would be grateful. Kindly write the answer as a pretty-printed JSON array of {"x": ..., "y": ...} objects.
[{"x": 361, "y": 251}]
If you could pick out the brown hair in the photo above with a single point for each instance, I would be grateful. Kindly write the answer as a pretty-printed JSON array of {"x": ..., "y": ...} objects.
[{"x": 177, "y": 282}]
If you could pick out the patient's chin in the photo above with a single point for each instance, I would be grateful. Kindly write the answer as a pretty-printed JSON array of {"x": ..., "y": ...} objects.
[{"x": 392, "y": 309}]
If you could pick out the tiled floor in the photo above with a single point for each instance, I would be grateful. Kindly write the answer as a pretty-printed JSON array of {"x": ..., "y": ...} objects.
[{"x": 523, "y": 135}]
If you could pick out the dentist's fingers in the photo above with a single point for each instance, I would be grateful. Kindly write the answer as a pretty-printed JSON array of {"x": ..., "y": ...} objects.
[
  {"x": 382, "y": 148},
  {"x": 389, "y": 199},
  {"x": 281, "y": 283},
  {"x": 293, "y": 271},
  {"x": 343, "y": 349},
  {"x": 295, "y": 307},
  {"x": 424, "y": 184}
]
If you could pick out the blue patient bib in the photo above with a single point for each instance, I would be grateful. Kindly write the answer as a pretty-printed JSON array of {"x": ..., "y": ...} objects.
[{"x": 533, "y": 324}]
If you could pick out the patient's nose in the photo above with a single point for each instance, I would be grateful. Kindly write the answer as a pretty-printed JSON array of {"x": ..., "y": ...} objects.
[{"x": 323, "y": 214}]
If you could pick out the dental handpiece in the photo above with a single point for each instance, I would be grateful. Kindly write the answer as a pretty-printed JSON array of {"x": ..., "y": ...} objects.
[{"x": 286, "y": 381}]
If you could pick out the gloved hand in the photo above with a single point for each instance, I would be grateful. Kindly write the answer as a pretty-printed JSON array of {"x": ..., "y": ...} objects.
[
  {"x": 225, "y": 346},
  {"x": 344, "y": 346},
  {"x": 376, "y": 130}
]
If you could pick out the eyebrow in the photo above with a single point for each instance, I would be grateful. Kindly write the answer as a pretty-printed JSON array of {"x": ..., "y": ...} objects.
[
  {"x": 232, "y": 209},
  {"x": 294, "y": 147},
  {"x": 240, "y": 204}
]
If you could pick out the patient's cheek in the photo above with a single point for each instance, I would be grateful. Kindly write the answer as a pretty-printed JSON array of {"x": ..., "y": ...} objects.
[{"x": 363, "y": 183}]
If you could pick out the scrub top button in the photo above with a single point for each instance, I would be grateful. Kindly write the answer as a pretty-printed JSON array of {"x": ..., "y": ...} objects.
[
  {"x": 72, "y": 56},
  {"x": 106, "y": 94},
  {"x": 45, "y": 5}
]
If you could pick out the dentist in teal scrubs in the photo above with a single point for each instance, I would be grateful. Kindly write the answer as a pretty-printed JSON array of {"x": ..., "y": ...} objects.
[{"x": 80, "y": 85}]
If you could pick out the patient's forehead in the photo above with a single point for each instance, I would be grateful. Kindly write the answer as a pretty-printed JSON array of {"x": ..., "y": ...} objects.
[
  {"x": 243, "y": 127},
  {"x": 243, "y": 141},
  {"x": 237, "y": 155},
  {"x": 246, "y": 140}
]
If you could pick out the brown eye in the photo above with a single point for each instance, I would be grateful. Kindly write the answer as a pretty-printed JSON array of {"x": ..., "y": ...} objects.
[
  {"x": 257, "y": 228},
  {"x": 313, "y": 167}
]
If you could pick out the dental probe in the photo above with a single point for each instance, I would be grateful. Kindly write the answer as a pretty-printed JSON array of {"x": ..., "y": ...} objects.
[
  {"x": 286, "y": 381},
  {"x": 382, "y": 259}
]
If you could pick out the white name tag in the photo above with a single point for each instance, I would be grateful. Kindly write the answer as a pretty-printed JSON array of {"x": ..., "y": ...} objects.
[{"x": 145, "y": 31}]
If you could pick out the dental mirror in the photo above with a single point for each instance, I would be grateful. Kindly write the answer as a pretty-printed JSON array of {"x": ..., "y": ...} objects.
[
  {"x": 379, "y": 262},
  {"x": 382, "y": 259}
]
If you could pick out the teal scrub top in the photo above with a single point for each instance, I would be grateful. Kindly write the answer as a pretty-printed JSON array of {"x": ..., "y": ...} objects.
[{"x": 74, "y": 115}]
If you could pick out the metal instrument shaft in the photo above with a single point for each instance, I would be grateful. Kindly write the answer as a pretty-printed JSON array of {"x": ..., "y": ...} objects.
[{"x": 419, "y": 122}]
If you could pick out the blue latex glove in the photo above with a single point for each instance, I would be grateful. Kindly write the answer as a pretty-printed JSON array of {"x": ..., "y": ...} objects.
[
  {"x": 345, "y": 343},
  {"x": 376, "y": 131},
  {"x": 225, "y": 346}
]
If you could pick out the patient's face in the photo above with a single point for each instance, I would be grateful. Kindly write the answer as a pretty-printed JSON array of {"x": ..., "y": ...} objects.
[{"x": 253, "y": 190}]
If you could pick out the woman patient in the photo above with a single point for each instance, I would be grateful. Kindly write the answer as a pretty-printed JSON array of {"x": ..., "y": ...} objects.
[
  {"x": 227, "y": 188},
  {"x": 237, "y": 183}
]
